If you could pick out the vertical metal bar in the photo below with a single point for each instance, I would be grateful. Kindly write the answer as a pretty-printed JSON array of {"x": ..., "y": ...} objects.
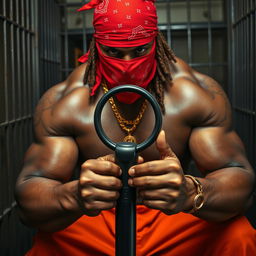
[
  {"x": 189, "y": 32},
  {"x": 2, "y": 175},
  {"x": 11, "y": 60},
  {"x": 5, "y": 170},
  {"x": 57, "y": 42},
  {"x": 44, "y": 75},
  {"x": 11, "y": 159},
  {"x": 7, "y": 177},
  {"x": 27, "y": 49},
  {"x": 8, "y": 65},
  {"x": 35, "y": 78},
  {"x": 51, "y": 49},
  {"x": 66, "y": 54},
  {"x": 84, "y": 33},
  {"x": 229, "y": 12},
  {"x": 209, "y": 29},
  {"x": 168, "y": 23},
  {"x": 29, "y": 63},
  {"x": 22, "y": 57},
  {"x": 244, "y": 36},
  {"x": 254, "y": 69},
  {"x": 15, "y": 63},
  {"x": 48, "y": 44},
  {"x": 17, "y": 66}
]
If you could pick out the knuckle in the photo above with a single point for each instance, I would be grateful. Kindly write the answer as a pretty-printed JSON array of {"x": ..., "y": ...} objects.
[
  {"x": 150, "y": 166},
  {"x": 107, "y": 165},
  {"x": 86, "y": 164},
  {"x": 147, "y": 181},
  {"x": 173, "y": 195},
  {"x": 113, "y": 195},
  {"x": 176, "y": 181},
  {"x": 85, "y": 180},
  {"x": 89, "y": 206},
  {"x": 173, "y": 165},
  {"x": 109, "y": 205},
  {"x": 114, "y": 183},
  {"x": 86, "y": 194}
]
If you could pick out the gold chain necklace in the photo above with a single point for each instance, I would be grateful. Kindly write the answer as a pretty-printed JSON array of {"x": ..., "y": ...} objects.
[{"x": 123, "y": 123}]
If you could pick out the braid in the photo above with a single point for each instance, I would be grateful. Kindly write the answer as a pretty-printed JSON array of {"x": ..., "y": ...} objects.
[
  {"x": 163, "y": 77},
  {"x": 90, "y": 71}
]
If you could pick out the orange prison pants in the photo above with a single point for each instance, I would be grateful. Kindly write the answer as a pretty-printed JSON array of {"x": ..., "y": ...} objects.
[{"x": 157, "y": 234}]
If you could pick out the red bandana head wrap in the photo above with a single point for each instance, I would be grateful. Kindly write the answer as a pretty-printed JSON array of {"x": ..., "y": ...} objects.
[{"x": 122, "y": 23}]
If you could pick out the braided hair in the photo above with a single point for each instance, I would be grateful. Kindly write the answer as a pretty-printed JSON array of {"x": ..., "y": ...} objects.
[{"x": 163, "y": 77}]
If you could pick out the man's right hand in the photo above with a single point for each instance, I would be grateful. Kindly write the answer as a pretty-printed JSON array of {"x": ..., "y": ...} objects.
[{"x": 99, "y": 184}]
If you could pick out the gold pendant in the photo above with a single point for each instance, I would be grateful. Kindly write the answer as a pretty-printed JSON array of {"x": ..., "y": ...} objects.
[{"x": 129, "y": 138}]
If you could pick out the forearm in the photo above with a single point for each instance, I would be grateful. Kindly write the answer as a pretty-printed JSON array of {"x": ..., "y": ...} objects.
[
  {"x": 227, "y": 193},
  {"x": 48, "y": 205}
]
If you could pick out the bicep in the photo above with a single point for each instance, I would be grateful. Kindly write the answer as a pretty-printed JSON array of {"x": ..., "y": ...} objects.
[
  {"x": 54, "y": 158},
  {"x": 214, "y": 148}
]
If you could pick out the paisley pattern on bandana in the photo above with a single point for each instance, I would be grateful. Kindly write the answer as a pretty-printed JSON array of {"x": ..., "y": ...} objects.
[
  {"x": 103, "y": 7},
  {"x": 123, "y": 23}
]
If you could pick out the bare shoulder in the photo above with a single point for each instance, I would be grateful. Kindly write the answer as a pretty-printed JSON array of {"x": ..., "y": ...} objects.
[
  {"x": 57, "y": 108},
  {"x": 202, "y": 97}
]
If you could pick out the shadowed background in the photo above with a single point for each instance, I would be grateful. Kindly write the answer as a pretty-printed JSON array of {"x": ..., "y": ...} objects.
[{"x": 40, "y": 41}]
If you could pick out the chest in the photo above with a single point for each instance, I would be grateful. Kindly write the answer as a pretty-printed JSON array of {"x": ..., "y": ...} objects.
[{"x": 177, "y": 134}]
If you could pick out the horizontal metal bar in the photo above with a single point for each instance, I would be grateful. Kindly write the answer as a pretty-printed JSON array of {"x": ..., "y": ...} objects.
[
  {"x": 66, "y": 69},
  {"x": 81, "y": 4},
  {"x": 192, "y": 25},
  {"x": 17, "y": 25},
  {"x": 180, "y": 26},
  {"x": 50, "y": 60},
  {"x": 21, "y": 119},
  {"x": 246, "y": 111},
  {"x": 206, "y": 64},
  {"x": 7, "y": 210},
  {"x": 243, "y": 17}
]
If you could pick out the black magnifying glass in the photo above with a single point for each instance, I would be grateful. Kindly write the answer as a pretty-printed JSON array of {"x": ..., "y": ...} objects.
[{"x": 126, "y": 156}]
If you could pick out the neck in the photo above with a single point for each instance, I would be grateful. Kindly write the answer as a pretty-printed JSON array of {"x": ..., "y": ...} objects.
[{"x": 129, "y": 111}]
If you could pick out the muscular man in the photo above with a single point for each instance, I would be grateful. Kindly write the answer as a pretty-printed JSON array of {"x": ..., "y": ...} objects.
[{"x": 75, "y": 213}]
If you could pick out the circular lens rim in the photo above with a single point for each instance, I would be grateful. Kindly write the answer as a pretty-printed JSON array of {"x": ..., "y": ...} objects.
[{"x": 128, "y": 88}]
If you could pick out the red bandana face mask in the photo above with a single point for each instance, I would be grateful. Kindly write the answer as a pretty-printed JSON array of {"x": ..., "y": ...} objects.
[
  {"x": 138, "y": 71},
  {"x": 120, "y": 23}
]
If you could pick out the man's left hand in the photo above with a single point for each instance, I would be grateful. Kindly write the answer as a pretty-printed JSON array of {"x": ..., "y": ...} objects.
[{"x": 161, "y": 183}]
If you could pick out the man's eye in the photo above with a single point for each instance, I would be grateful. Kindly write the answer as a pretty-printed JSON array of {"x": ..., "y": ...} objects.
[
  {"x": 141, "y": 50},
  {"x": 112, "y": 51}
]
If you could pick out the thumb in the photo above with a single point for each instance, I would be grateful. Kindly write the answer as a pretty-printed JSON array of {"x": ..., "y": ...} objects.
[
  {"x": 109, "y": 157},
  {"x": 163, "y": 147}
]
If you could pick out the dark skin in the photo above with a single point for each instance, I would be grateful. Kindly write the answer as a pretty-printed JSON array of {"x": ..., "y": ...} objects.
[{"x": 197, "y": 125}]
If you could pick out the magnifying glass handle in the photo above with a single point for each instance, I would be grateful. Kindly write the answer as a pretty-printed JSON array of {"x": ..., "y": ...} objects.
[{"x": 126, "y": 156}]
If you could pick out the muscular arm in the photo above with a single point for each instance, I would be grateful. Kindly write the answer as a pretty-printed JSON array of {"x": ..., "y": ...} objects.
[
  {"x": 47, "y": 197},
  {"x": 220, "y": 155},
  {"x": 217, "y": 150},
  {"x": 229, "y": 179},
  {"x": 46, "y": 200},
  {"x": 42, "y": 191}
]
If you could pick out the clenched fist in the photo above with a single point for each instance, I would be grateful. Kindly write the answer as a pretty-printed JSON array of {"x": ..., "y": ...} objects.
[{"x": 161, "y": 183}]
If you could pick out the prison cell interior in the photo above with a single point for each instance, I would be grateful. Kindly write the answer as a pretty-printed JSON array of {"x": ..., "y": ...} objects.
[
  {"x": 187, "y": 24},
  {"x": 18, "y": 78},
  {"x": 242, "y": 71},
  {"x": 25, "y": 26},
  {"x": 41, "y": 40}
]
